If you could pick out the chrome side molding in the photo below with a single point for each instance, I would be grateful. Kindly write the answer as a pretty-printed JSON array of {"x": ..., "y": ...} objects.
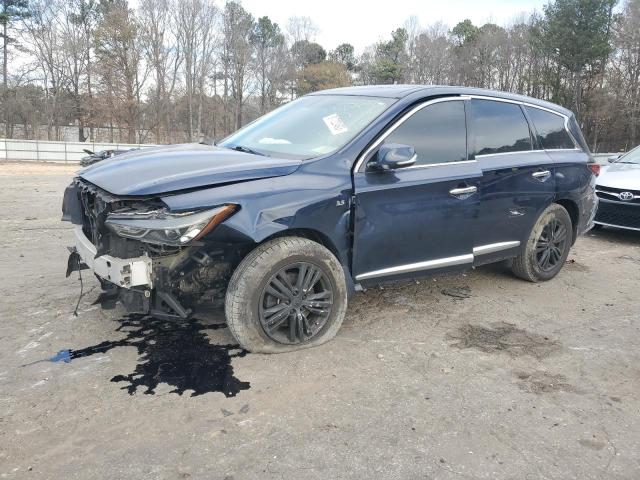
[
  {"x": 415, "y": 267},
  {"x": 439, "y": 262},
  {"x": 494, "y": 247}
]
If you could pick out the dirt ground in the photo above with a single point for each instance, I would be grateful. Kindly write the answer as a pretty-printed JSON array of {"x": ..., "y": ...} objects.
[{"x": 496, "y": 379}]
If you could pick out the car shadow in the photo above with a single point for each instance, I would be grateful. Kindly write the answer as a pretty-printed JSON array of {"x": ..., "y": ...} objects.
[
  {"x": 617, "y": 235},
  {"x": 179, "y": 354}
]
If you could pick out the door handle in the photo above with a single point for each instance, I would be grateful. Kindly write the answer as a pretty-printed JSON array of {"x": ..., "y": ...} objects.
[
  {"x": 542, "y": 175},
  {"x": 463, "y": 191}
]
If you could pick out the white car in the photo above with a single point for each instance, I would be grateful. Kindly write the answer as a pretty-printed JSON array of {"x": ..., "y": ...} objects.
[{"x": 618, "y": 188}]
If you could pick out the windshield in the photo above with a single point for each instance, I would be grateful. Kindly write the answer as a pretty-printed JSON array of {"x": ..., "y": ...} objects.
[
  {"x": 630, "y": 157},
  {"x": 308, "y": 127}
]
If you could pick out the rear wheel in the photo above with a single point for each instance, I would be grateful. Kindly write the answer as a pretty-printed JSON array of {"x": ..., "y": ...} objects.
[
  {"x": 547, "y": 247},
  {"x": 288, "y": 293}
]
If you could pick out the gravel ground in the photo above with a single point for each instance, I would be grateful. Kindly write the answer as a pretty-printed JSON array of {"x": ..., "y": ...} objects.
[{"x": 495, "y": 378}]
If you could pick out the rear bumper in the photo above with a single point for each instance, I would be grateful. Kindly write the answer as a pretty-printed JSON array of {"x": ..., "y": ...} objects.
[
  {"x": 123, "y": 272},
  {"x": 588, "y": 208}
]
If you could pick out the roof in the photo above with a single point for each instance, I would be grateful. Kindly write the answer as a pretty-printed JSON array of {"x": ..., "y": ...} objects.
[{"x": 402, "y": 91}]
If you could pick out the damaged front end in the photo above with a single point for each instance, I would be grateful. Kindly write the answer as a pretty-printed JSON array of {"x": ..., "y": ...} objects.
[{"x": 154, "y": 260}]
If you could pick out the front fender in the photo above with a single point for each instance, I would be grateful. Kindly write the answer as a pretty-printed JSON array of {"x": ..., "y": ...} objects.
[{"x": 301, "y": 201}]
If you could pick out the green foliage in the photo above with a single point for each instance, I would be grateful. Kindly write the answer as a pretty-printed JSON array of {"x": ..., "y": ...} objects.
[
  {"x": 12, "y": 11},
  {"x": 344, "y": 54},
  {"x": 577, "y": 33},
  {"x": 307, "y": 53},
  {"x": 267, "y": 34},
  {"x": 464, "y": 33},
  {"x": 391, "y": 58}
]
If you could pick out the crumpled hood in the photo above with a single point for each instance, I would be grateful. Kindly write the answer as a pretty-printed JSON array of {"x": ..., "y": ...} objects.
[
  {"x": 620, "y": 175},
  {"x": 172, "y": 168}
]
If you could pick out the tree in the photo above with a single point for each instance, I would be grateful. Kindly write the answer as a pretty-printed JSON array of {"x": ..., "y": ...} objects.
[
  {"x": 77, "y": 22},
  {"x": 44, "y": 40},
  {"x": 464, "y": 33},
  {"x": 391, "y": 58},
  {"x": 323, "y": 75},
  {"x": 578, "y": 36},
  {"x": 195, "y": 25},
  {"x": 11, "y": 12},
  {"x": 238, "y": 27},
  {"x": 269, "y": 45},
  {"x": 625, "y": 77},
  {"x": 306, "y": 53},
  {"x": 344, "y": 54},
  {"x": 120, "y": 66},
  {"x": 157, "y": 23}
]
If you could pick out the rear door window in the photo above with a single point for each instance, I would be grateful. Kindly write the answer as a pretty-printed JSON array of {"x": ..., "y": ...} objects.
[
  {"x": 552, "y": 133},
  {"x": 499, "y": 127},
  {"x": 438, "y": 133}
]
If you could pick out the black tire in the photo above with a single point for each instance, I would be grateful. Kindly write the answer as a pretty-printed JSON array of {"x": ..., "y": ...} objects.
[
  {"x": 530, "y": 264},
  {"x": 252, "y": 281}
]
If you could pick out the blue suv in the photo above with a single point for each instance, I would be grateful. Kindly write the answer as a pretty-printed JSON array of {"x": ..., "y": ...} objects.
[{"x": 327, "y": 195}]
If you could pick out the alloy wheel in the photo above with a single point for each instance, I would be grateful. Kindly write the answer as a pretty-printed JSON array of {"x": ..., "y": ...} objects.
[
  {"x": 551, "y": 245},
  {"x": 296, "y": 303}
]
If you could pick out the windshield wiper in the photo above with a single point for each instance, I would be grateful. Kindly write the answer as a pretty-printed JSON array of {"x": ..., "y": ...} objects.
[{"x": 242, "y": 148}]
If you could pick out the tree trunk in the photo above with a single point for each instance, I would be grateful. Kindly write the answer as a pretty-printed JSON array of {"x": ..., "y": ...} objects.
[{"x": 5, "y": 80}]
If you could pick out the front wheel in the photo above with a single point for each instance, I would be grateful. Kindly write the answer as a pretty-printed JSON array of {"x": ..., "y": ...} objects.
[
  {"x": 547, "y": 247},
  {"x": 288, "y": 293}
]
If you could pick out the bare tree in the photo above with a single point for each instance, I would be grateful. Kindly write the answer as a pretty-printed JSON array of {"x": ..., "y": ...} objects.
[
  {"x": 164, "y": 60},
  {"x": 238, "y": 27},
  {"x": 120, "y": 66},
  {"x": 270, "y": 60},
  {"x": 195, "y": 26}
]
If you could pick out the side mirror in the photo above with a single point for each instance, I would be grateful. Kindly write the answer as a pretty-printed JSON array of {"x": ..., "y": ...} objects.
[
  {"x": 395, "y": 155},
  {"x": 613, "y": 158}
]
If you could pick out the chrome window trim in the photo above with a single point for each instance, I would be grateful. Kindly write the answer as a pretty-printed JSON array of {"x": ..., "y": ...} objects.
[
  {"x": 509, "y": 153},
  {"x": 420, "y": 106},
  {"x": 440, "y": 164},
  {"x": 527, "y": 104},
  {"x": 400, "y": 121}
]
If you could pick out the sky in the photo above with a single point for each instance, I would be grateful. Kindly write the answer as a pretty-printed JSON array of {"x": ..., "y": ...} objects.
[{"x": 363, "y": 23}]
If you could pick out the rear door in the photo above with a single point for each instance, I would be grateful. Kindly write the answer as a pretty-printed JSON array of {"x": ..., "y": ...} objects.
[
  {"x": 518, "y": 180},
  {"x": 561, "y": 138},
  {"x": 422, "y": 218}
]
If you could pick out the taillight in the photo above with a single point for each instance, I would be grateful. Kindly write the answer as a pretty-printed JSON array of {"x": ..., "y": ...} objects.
[{"x": 595, "y": 168}]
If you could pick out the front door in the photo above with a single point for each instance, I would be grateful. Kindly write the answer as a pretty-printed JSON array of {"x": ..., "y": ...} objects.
[{"x": 420, "y": 219}]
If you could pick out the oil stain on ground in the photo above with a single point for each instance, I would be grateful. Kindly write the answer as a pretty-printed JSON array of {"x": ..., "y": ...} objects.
[
  {"x": 504, "y": 337},
  {"x": 178, "y": 354},
  {"x": 544, "y": 382}
]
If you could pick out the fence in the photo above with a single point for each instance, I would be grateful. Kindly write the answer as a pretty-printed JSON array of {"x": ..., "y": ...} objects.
[
  {"x": 72, "y": 152},
  {"x": 48, "y": 151}
]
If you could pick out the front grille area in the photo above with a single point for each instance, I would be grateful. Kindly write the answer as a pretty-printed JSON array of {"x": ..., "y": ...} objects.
[
  {"x": 95, "y": 208},
  {"x": 610, "y": 193},
  {"x": 624, "y": 215}
]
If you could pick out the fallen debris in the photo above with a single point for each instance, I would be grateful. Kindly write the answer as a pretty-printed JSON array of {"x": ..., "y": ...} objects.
[{"x": 457, "y": 292}]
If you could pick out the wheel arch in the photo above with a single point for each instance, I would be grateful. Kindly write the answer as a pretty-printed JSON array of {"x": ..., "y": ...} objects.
[
  {"x": 324, "y": 240},
  {"x": 574, "y": 213}
]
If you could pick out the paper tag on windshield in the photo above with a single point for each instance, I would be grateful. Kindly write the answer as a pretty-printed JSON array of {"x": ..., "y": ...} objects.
[{"x": 335, "y": 124}]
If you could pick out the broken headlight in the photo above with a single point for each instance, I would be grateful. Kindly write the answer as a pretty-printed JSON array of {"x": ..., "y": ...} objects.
[{"x": 165, "y": 227}]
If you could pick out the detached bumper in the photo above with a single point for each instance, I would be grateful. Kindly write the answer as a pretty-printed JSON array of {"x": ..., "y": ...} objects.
[{"x": 123, "y": 272}]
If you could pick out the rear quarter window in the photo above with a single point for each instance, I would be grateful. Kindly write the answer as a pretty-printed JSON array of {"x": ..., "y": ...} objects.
[
  {"x": 499, "y": 127},
  {"x": 552, "y": 133}
]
